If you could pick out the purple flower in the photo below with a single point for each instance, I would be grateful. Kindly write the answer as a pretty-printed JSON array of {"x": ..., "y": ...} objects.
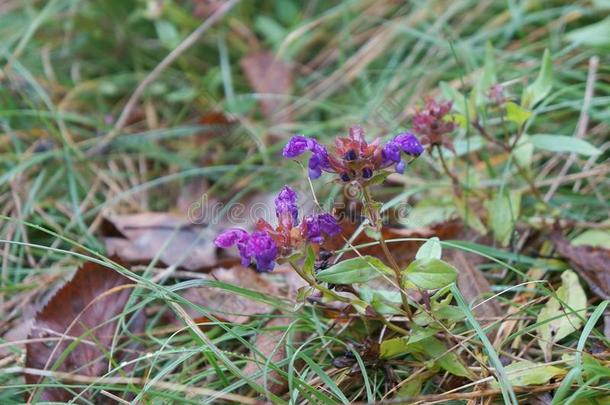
[
  {"x": 258, "y": 246},
  {"x": 297, "y": 145},
  {"x": 314, "y": 227},
  {"x": 231, "y": 237},
  {"x": 353, "y": 158},
  {"x": 404, "y": 142},
  {"x": 328, "y": 224},
  {"x": 266, "y": 243},
  {"x": 318, "y": 161},
  {"x": 286, "y": 208},
  {"x": 409, "y": 144},
  {"x": 262, "y": 248}
]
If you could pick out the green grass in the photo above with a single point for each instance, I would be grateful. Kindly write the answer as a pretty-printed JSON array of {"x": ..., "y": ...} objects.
[{"x": 68, "y": 67}]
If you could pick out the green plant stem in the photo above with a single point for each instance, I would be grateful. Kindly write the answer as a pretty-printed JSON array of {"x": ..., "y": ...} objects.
[
  {"x": 314, "y": 284},
  {"x": 378, "y": 227},
  {"x": 456, "y": 181},
  {"x": 509, "y": 149}
]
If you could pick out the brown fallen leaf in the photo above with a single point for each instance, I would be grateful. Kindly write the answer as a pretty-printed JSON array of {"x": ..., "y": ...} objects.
[
  {"x": 272, "y": 78},
  {"x": 591, "y": 263},
  {"x": 85, "y": 308},
  {"x": 229, "y": 306},
  {"x": 272, "y": 349},
  {"x": 138, "y": 238},
  {"x": 472, "y": 283}
]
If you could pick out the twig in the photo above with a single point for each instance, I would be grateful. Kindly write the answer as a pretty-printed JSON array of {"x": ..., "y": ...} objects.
[{"x": 154, "y": 74}]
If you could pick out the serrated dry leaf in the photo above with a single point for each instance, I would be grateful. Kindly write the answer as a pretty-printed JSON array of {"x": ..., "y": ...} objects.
[
  {"x": 142, "y": 236},
  {"x": 227, "y": 305},
  {"x": 87, "y": 308}
]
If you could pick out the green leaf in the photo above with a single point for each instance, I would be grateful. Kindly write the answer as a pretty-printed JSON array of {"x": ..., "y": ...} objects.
[
  {"x": 448, "y": 361},
  {"x": 431, "y": 249},
  {"x": 597, "y": 34},
  {"x": 382, "y": 301},
  {"x": 308, "y": 264},
  {"x": 379, "y": 178},
  {"x": 459, "y": 102},
  {"x": 543, "y": 84},
  {"x": 413, "y": 387},
  {"x": 488, "y": 77},
  {"x": 356, "y": 270},
  {"x": 593, "y": 237},
  {"x": 564, "y": 143},
  {"x": 557, "y": 319},
  {"x": 430, "y": 274},
  {"x": 516, "y": 113},
  {"x": 469, "y": 216},
  {"x": 524, "y": 151},
  {"x": 503, "y": 212},
  {"x": 390, "y": 348},
  {"x": 526, "y": 372},
  {"x": 167, "y": 33},
  {"x": 406, "y": 344}
]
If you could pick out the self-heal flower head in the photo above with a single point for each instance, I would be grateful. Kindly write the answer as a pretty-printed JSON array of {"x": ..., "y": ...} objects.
[
  {"x": 404, "y": 142},
  {"x": 231, "y": 237},
  {"x": 354, "y": 159},
  {"x": 318, "y": 161},
  {"x": 432, "y": 123},
  {"x": 258, "y": 246},
  {"x": 286, "y": 208},
  {"x": 316, "y": 227},
  {"x": 267, "y": 244},
  {"x": 262, "y": 249}
]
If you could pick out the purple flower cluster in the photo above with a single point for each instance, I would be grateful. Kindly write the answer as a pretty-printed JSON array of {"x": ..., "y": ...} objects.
[
  {"x": 433, "y": 122},
  {"x": 265, "y": 245},
  {"x": 354, "y": 158},
  {"x": 318, "y": 161},
  {"x": 404, "y": 142},
  {"x": 258, "y": 246}
]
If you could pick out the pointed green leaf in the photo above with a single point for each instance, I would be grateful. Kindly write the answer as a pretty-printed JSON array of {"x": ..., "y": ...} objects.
[
  {"x": 431, "y": 249},
  {"x": 557, "y": 319},
  {"x": 564, "y": 143},
  {"x": 488, "y": 77},
  {"x": 356, "y": 270},
  {"x": 516, "y": 113},
  {"x": 597, "y": 34},
  {"x": 527, "y": 372},
  {"x": 448, "y": 361},
  {"x": 524, "y": 151},
  {"x": 543, "y": 84},
  {"x": 503, "y": 212},
  {"x": 430, "y": 274}
]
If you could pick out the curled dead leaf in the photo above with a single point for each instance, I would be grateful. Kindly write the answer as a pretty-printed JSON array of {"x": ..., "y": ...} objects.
[{"x": 591, "y": 263}]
